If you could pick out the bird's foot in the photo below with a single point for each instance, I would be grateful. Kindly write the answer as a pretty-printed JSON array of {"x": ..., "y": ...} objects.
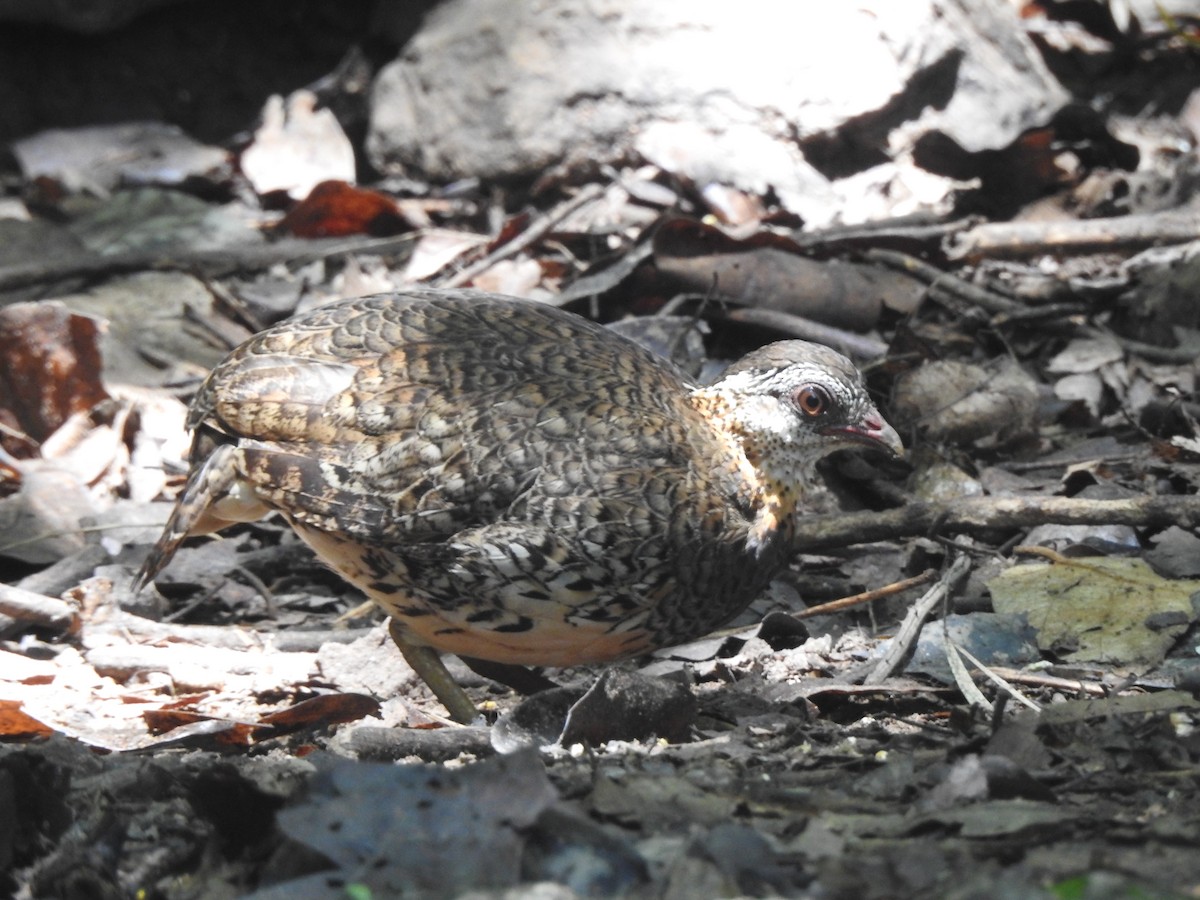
[{"x": 521, "y": 679}]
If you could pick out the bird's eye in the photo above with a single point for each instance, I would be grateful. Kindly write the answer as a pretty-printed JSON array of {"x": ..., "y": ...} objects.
[{"x": 811, "y": 400}]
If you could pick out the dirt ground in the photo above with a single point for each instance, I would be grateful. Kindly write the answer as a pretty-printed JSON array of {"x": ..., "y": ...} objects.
[{"x": 979, "y": 679}]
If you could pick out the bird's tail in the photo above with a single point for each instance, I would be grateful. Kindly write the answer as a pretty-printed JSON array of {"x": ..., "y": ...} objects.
[{"x": 215, "y": 496}]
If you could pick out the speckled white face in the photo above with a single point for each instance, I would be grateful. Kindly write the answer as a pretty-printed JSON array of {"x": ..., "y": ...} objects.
[{"x": 793, "y": 403}]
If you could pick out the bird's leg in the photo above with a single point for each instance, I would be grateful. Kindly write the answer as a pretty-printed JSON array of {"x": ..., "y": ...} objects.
[{"x": 430, "y": 668}]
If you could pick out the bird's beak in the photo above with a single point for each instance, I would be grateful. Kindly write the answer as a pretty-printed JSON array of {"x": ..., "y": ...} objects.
[{"x": 872, "y": 431}]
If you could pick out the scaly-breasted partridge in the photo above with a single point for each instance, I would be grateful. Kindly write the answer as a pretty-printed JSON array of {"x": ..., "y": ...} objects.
[{"x": 512, "y": 482}]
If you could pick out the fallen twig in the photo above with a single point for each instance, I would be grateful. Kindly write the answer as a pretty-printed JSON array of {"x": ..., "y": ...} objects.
[
  {"x": 975, "y": 514},
  {"x": 438, "y": 744},
  {"x": 230, "y": 637},
  {"x": 1045, "y": 312},
  {"x": 1151, "y": 352},
  {"x": 916, "y": 232},
  {"x": 888, "y": 590},
  {"x": 38, "y": 609},
  {"x": 1123, "y": 233},
  {"x": 227, "y": 260},
  {"x": 527, "y": 238},
  {"x": 1053, "y": 682},
  {"x": 856, "y": 345},
  {"x": 946, "y": 283},
  {"x": 200, "y": 668},
  {"x": 906, "y": 635}
]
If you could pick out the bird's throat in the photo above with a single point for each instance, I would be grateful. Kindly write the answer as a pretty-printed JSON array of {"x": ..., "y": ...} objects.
[{"x": 770, "y": 502}]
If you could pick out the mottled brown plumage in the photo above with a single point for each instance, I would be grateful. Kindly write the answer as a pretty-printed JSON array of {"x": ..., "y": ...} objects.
[{"x": 512, "y": 482}]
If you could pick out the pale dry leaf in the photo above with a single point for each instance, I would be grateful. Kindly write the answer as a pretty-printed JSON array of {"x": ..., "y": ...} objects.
[
  {"x": 940, "y": 481},
  {"x": 438, "y": 248},
  {"x": 960, "y": 402},
  {"x": 1086, "y": 355},
  {"x": 1176, "y": 553},
  {"x": 297, "y": 147},
  {"x": 964, "y": 783},
  {"x": 1087, "y": 388},
  {"x": 160, "y": 442},
  {"x": 962, "y": 678},
  {"x": 1190, "y": 444},
  {"x": 98, "y": 158},
  {"x": 514, "y": 277},
  {"x": 43, "y": 521},
  {"x": 88, "y": 451},
  {"x": 360, "y": 278}
]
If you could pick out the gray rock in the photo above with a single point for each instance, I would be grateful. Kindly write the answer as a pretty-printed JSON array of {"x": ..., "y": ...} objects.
[{"x": 786, "y": 96}]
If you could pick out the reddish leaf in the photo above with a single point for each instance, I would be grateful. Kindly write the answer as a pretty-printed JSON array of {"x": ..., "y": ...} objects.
[
  {"x": 510, "y": 230},
  {"x": 335, "y": 208},
  {"x": 16, "y": 724},
  {"x": 192, "y": 729},
  {"x": 326, "y": 709},
  {"x": 51, "y": 370},
  {"x": 163, "y": 720},
  {"x": 769, "y": 271}
]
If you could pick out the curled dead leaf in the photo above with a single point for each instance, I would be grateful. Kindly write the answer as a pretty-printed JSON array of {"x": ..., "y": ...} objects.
[
  {"x": 959, "y": 402},
  {"x": 768, "y": 271}
]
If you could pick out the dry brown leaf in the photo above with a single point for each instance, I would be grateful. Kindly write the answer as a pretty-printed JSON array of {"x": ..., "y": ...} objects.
[
  {"x": 438, "y": 248},
  {"x": 768, "y": 271},
  {"x": 960, "y": 402},
  {"x": 19, "y": 725},
  {"x": 51, "y": 371},
  {"x": 325, "y": 709},
  {"x": 336, "y": 209}
]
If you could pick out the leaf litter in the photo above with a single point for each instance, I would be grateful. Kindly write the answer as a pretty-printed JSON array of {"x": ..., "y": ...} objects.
[{"x": 236, "y": 729}]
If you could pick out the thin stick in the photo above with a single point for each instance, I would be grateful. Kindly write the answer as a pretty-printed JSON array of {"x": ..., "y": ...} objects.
[
  {"x": 1053, "y": 682},
  {"x": 975, "y": 514},
  {"x": 946, "y": 282},
  {"x": 38, "y": 609},
  {"x": 839, "y": 339},
  {"x": 526, "y": 238},
  {"x": 898, "y": 650},
  {"x": 887, "y": 590},
  {"x": 224, "y": 261},
  {"x": 1023, "y": 239}
]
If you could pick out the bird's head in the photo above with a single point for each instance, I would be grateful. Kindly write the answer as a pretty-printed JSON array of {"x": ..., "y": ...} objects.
[{"x": 792, "y": 403}]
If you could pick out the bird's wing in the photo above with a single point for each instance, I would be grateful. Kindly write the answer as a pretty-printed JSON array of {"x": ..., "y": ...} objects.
[{"x": 413, "y": 417}]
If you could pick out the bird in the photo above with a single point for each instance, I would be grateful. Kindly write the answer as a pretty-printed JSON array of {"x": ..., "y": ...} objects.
[{"x": 511, "y": 482}]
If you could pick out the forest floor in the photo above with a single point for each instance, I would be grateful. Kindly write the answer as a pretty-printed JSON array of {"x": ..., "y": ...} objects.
[{"x": 1008, "y": 705}]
